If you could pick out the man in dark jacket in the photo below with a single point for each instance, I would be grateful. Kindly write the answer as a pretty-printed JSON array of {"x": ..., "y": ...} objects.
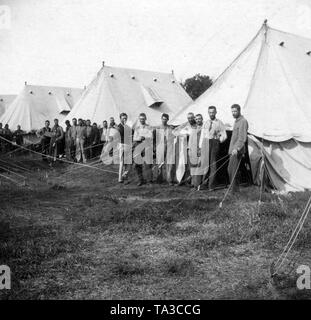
[
  {"x": 96, "y": 141},
  {"x": 125, "y": 148},
  {"x": 89, "y": 139},
  {"x": 45, "y": 135},
  {"x": 9, "y": 136},
  {"x": 18, "y": 135},
  {"x": 56, "y": 140},
  {"x": 237, "y": 146},
  {"x": 68, "y": 140}
]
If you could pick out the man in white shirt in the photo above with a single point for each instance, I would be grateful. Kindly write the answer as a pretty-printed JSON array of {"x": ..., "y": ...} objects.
[
  {"x": 214, "y": 131},
  {"x": 143, "y": 149}
]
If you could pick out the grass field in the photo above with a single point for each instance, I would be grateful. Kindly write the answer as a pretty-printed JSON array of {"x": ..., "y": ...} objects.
[{"x": 74, "y": 233}]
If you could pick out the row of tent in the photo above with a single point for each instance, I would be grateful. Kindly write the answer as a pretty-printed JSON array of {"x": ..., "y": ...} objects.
[
  {"x": 113, "y": 90},
  {"x": 270, "y": 79}
]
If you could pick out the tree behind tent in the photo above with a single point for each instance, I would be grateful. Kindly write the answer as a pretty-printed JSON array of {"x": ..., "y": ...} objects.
[{"x": 196, "y": 85}]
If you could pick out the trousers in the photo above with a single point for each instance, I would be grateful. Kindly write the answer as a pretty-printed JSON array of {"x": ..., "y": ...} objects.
[
  {"x": 124, "y": 168},
  {"x": 234, "y": 171},
  {"x": 80, "y": 150}
]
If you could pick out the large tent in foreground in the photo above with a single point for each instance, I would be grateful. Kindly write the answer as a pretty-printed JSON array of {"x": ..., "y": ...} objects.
[
  {"x": 116, "y": 90},
  {"x": 35, "y": 104},
  {"x": 271, "y": 80},
  {"x": 5, "y": 101}
]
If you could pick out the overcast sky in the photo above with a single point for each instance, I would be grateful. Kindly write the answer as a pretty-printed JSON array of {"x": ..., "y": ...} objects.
[{"x": 63, "y": 42}]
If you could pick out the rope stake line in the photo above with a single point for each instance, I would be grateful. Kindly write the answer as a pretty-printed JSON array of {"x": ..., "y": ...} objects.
[
  {"x": 59, "y": 159},
  {"x": 236, "y": 171},
  {"x": 15, "y": 165},
  {"x": 10, "y": 171},
  {"x": 212, "y": 175},
  {"x": 295, "y": 230},
  {"x": 262, "y": 176},
  {"x": 193, "y": 190},
  {"x": 275, "y": 267},
  {"x": 12, "y": 180}
]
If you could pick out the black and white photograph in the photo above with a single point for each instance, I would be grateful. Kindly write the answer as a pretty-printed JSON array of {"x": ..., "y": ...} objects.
[{"x": 155, "y": 150}]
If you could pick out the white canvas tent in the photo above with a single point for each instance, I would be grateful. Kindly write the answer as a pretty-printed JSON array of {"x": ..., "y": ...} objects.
[
  {"x": 5, "y": 101},
  {"x": 35, "y": 104},
  {"x": 271, "y": 80},
  {"x": 116, "y": 90}
]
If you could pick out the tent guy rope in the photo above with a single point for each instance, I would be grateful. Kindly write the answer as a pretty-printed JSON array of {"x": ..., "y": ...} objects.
[{"x": 60, "y": 159}]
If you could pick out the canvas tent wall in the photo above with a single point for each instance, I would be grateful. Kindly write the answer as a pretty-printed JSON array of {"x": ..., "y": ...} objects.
[
  {"x": 271, "y": 80},
  {"x": 35, "y": 104},
  {"x": 116, "y": 90},
  {"x": 5, "y": 101}
]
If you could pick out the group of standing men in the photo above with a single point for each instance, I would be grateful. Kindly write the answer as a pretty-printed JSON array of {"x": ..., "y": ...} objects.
[
  {"x": 198, "y": 144},
  {"x": 185, "y": 155},
  {"x": 204, "y": 141},
  {"x": 10, "y": 137},
  {"x": 79, "y": 141}
]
